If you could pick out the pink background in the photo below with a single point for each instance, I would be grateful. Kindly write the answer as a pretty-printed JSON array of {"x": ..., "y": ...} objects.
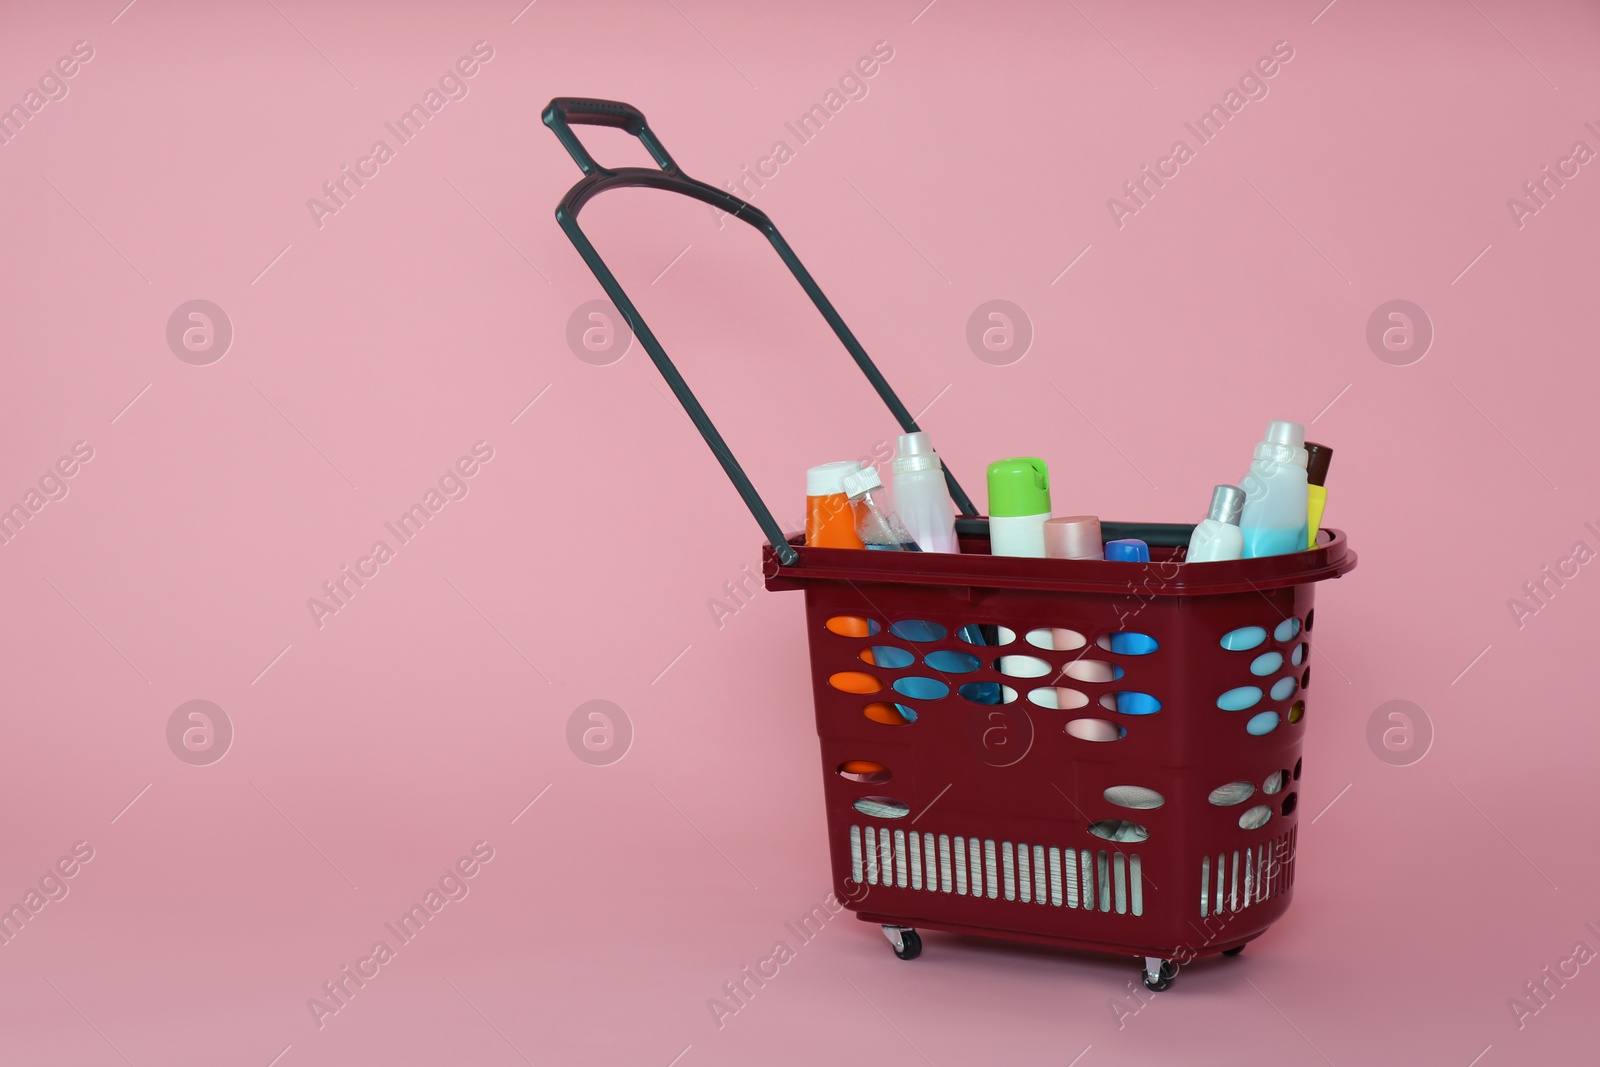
[{"x": 372, "y": 351}]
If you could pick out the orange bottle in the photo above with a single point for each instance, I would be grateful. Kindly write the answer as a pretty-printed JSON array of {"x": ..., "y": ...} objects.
[{"x": 830, "y": 521}]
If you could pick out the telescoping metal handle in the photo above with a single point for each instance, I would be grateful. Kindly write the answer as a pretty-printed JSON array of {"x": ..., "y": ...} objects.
[{"x": 565, "y": 112}]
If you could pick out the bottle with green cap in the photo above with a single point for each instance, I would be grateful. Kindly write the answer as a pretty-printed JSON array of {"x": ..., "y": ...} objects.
[{"x": 1019, "y": 504}]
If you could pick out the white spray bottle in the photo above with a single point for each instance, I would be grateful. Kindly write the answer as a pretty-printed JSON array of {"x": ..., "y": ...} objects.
[{"x": 1217, "y": 536}]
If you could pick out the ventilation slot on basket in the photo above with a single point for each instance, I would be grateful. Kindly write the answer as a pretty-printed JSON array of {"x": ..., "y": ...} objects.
[
  {"x": 1232, "y": 881},
  {"x": 1025, "y": 873}
]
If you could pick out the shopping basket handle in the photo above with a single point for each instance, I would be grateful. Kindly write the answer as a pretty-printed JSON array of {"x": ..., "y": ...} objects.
[
  {"x": 566, "y": 111},
  {"x": 560, "y": 116}
]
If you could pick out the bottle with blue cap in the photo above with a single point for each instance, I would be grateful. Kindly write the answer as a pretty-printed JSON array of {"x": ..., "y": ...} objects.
[{"x": 1132, "y": 550}]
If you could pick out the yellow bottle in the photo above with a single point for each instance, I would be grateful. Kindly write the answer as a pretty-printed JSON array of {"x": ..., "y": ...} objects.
[{"x": 1317, "y": 459}]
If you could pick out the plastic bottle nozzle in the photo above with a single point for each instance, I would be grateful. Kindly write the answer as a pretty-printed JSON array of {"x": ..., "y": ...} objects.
[{"x": 1227, "y": 501}]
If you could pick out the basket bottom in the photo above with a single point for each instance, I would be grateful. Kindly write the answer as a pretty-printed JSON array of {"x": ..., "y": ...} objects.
[{"x": 1182, "y": 953}]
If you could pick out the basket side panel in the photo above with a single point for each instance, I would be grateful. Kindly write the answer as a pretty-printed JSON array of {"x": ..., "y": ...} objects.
[{"x": 994, "y": 816}]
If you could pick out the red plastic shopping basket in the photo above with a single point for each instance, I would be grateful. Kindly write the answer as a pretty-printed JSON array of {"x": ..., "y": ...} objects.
[{"x": 979, "y": 777}]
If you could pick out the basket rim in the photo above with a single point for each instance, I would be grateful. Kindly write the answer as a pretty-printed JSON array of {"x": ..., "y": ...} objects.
[{"x": 1163, "y": 576}]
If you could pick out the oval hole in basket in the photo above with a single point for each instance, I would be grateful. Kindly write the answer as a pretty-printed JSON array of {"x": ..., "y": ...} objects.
[
  {"x": 1095, "y": 730},
  {"x": 1119, "y": 830},
  {"x": 1059, "y": 697},
  {"x": 1264, "y": 723},
  {"x": 887, "y": 656},
  {"x": 974, "y": 634},
  {"x": 1297, "y": 711},
  {"x": 952, "y": 661},
  {"x": 1284, "y": 688},
  {"x": 1225, "y": 796},
  {"x": 890, "y": 714},
  {"x": 1299, "y": 655},
  {"x": 1023, "y": 666},
  {"x": 1127, "y": 703},
  {"x": 1092, "y": 670},
  {"x": 1128, "y": 643},
  {"x": 864, "y": 771},
  {"x": 1134, "y": 796},
  {"x": 1274, "y": 782},
  {"x": 1266, "y": 663},
  {"x": 1245, "y": 696},
  {"x": 920, "y": 630},
  {"x": 987, "y": 693},
  {"x": 1056, "y": 638},
  {"x": 855, "y": 682},
  {"x": 882, "y": 807},
  {"x": 919, "y": 688},
  {"x": 851, "y": 626},
  {"x": 1255, "y": 818},
  {"x": 1287, "y": 629},
  {"x": 1244, "y": 638}
]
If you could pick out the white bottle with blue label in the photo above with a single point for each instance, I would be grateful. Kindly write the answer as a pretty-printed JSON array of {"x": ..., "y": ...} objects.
[{"x": 1274, "y": 517}]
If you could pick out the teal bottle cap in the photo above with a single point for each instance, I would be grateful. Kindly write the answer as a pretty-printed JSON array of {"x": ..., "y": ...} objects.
[{"x": 1019, "y": 486}]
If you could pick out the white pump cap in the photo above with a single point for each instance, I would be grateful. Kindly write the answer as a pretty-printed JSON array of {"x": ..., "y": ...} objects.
[
  {"x": 826, "y": 479},
  {"x": 861, "y": 481},
  {"x": 915, "y": 453}
]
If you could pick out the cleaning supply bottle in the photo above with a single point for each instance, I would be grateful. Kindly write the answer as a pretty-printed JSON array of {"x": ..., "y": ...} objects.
[
  {"x": 1317, "y": 459},
  {"x": 1019, "y": 504},
  {"x": 829, "y": 521},
  {"x": 920, "y": 495},
  {"x": 880, "y": 528},
  {"x": 877, "y": 524},
  {"x": 1128, "y": 550},
  {"x": 1130, "y": 642},
  {"x": 924, "y": 505},
  {"x": 1217, "y": 536},
  {"x": 1073, "y": 537},
  {"x": 1275, "y": 500}
]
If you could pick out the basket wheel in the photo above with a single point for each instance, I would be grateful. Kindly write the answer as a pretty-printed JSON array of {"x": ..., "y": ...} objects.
[
  {"x": 1159, "y": 974},
  {"x": 905, "y": 941},
  {"x": 1234, "y": 951}
]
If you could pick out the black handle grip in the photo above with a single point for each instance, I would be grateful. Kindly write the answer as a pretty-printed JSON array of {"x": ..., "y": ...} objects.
[
  {"x": 558, "y": 115},
  {"x": 587, "y": 112},
  {"x": 566, "y": 111}
]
